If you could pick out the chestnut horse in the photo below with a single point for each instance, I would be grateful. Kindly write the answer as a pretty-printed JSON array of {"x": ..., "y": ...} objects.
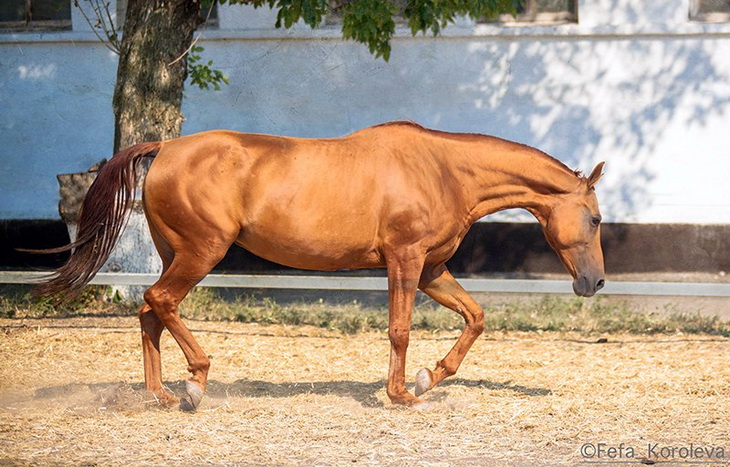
[{"x": 395, "y": 196}]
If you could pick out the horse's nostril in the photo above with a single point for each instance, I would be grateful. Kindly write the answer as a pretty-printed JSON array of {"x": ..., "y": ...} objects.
[{"x": 600, "y": 284}]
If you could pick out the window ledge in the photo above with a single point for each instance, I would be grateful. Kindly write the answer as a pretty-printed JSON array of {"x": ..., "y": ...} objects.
[{"x": 462, "y": 29}]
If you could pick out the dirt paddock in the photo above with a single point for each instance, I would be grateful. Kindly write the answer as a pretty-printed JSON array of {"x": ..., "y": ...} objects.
[{"x": 71, "y": 394}]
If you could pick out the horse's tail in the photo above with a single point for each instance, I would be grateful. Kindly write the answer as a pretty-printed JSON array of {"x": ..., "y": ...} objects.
[{"x": 104, "y": 213}]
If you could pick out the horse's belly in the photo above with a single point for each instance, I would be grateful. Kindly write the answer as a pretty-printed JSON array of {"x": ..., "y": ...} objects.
[{"x": 322, "y": 251}]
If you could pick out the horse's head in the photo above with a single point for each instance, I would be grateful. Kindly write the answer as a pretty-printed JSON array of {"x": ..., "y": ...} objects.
[{"x": 572, "y": 226}]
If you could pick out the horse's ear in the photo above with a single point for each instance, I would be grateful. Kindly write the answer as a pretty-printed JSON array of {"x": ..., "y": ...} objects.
[{"x": 595, "y": 175}]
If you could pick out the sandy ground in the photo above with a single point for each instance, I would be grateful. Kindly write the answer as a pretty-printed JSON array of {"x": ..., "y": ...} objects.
[{"x": 71, "y": 394}]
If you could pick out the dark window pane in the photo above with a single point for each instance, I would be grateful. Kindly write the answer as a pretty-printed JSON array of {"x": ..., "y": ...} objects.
[
  {"x": 210, "y": 13},
  {"x": 212, "y": 19},
  {"x": 22, "y": 13},
  {"x": 534, "y": 7},
  {"x": 12, "y": 10},
  {"x": 44, "y": 10},
  {"x": 554, "y": 6},
  {"x": 713, "y": 6}
]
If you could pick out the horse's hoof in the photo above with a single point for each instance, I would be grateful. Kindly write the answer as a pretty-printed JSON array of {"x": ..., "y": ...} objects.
[
  {"x": 423, "y": 381},
  {"x": 193, "y": 397}
]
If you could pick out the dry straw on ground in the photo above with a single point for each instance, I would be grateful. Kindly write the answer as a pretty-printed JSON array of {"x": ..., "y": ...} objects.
[{"x": 71, "y": 394}]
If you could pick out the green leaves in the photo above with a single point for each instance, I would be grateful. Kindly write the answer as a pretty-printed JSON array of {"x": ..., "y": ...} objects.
[
  {"x": 433, "y": 15},
  {"x": 370, "y": 22},
  {"x": 201, "y": 74},
  {"x": 312, "y": 12}
]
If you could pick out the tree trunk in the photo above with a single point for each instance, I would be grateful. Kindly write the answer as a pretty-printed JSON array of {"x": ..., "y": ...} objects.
[
  {"x": 147, "y": 107},
  {"x": 152, "y": 70}
]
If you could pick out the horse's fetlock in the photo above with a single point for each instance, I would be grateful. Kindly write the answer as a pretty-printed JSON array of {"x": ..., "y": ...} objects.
[
  {"x": 199, "y": 366},
  {"x": 446, "y": 368}
]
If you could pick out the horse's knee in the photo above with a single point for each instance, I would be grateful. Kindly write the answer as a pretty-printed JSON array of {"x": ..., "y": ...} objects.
[
  {"x": 399, "y": 337},
  {"x": 152, "y": 297}
]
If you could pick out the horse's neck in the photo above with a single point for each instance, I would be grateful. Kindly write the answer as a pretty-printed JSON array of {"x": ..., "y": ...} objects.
[{"x": 509, "y": 175}]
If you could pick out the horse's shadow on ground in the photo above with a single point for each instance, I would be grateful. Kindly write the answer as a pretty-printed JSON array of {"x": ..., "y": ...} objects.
[{"x": 362, "y": 392}]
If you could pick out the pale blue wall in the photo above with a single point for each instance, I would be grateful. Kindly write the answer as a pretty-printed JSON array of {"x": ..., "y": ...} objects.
[{"x": 646, "y": 90}]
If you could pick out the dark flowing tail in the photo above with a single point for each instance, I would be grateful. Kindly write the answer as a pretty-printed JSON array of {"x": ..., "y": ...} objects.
[{"x": 104, "y": 213}]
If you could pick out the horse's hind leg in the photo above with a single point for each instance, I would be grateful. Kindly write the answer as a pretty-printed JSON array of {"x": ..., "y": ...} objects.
[
  {"x": 152, "y": 329},
  {"x": 187, "y": 269},
  {"x": 440, "y": 285}
]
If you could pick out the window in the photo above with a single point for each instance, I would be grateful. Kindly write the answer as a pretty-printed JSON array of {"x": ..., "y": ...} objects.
[
  {"x": 532, "y": 11},
  {"x": 710, "y": 10},
  {"x": 28, "y": 15},
  {"x": 544, "y": 11},
  {"x": 334, "y": 16},
  {"x": 210, "y": 13}
]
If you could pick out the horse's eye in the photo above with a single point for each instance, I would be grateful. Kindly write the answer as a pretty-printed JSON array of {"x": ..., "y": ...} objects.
[{"x": 595, "y": 221}]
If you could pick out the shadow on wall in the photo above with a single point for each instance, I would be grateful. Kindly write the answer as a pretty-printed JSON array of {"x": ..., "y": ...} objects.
[{"x": 584, "y": 101}]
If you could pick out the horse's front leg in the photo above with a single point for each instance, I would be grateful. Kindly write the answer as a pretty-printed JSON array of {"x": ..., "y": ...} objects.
[
  {"x": 403, "y": 278},
  {"x": 440, "y": 285}
]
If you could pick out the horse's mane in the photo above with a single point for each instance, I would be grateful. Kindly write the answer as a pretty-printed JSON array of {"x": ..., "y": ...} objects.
[{"x": 479, "y": 137}]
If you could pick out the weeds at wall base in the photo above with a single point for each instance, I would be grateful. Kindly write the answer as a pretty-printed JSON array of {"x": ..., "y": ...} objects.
[{"x": 547, "y": 313}]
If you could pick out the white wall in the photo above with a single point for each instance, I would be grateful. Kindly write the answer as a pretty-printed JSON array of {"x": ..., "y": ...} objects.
[{"x": 646, "y": 90}]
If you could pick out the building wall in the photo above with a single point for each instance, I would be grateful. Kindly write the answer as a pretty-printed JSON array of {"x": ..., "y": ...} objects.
[{"x": 636, "y": 84}]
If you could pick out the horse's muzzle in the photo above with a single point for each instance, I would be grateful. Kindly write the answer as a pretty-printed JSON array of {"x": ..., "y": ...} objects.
[{"x": 583, "y": 286}]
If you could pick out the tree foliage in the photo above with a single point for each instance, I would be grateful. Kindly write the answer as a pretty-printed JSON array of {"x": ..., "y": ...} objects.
[
  {"x": 372, "y": 22},
  {"x": 433, "y": 15},
  {"x": 201, "y": 74}
]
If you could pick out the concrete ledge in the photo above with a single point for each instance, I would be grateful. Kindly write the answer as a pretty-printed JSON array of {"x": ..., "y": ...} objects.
[
  {"x": 462, "y": 30},
  {"x": 339, "y": 282}
]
